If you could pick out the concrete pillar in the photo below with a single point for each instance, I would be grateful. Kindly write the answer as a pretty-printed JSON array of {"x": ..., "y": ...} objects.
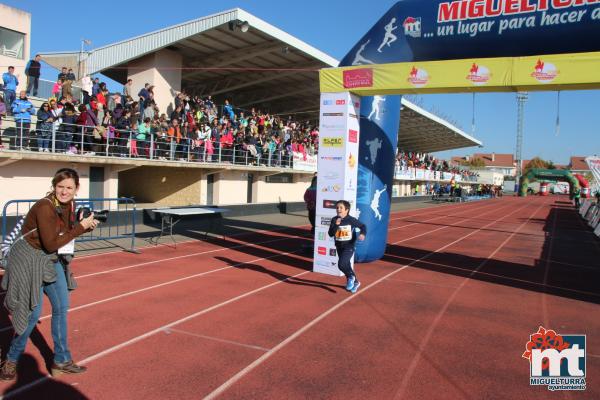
[{"x": 161, "y": 69}]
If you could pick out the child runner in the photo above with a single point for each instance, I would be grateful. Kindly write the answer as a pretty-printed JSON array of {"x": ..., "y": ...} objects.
[{"x": 345, "y": 228}]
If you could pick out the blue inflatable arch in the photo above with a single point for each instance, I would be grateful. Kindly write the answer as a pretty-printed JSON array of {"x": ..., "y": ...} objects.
[{"x": 419, "y": 30}]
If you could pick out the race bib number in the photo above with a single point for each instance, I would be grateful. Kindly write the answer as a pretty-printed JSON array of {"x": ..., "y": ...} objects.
[{"x": 344, "y": 233}]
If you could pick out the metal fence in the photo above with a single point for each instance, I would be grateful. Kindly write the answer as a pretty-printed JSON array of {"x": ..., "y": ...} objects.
[
  {"x": 77, "y": 140},
  {"x": 119, "y": 225}
]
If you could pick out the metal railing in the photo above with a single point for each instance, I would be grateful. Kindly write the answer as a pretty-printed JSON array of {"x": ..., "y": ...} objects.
[
  {"x": 78, "y": 140},
  {"x": 120, "y": 224}
]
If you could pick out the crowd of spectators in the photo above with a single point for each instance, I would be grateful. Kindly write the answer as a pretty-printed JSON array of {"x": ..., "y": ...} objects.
[
  {"x": 131, "y": 124},
  {"x": 427, "y": 161}
]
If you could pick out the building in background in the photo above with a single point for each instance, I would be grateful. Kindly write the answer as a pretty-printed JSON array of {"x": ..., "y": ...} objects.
[
  {"x": 504, "y": 164},
  {"x": 15, "y": 37}
]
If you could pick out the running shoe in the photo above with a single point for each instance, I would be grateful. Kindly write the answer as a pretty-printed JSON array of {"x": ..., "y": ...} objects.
[
  {"x": 350, "y": 283},
  {"x": 355, "y": 287}
]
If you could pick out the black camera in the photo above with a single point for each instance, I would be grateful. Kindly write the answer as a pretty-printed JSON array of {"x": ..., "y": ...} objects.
[{"x": 85, "y": 212}]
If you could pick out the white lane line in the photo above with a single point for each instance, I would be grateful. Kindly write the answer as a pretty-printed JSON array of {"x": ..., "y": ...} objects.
[
  {"x": 226, "y": 385},
  {"x": 130, "y": 293},
  {"x": 148, "y": 288},
  {"x": 215, "y": 339},
  {"x": 532, "y": 283},
  {"x": 425, "y": 340},
  {"x": 189, "y": 317},
  {"x": 149, "y": 333},
  {"x": 225, "y": 249}
]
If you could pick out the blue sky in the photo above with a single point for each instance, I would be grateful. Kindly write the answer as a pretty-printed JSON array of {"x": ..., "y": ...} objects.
[{"x": 334, "y": 26}]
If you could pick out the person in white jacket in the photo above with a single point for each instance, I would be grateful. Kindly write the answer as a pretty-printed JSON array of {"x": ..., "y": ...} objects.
[{"x": 86, "y": 87}]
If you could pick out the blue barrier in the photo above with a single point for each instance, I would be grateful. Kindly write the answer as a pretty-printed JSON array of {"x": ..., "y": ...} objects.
[{"x": 119, "y": 225}]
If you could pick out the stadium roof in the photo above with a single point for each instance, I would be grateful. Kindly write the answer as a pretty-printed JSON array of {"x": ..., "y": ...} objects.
[
  {"x": 263, "y": 67},
  {"x": 422, "y": 131}
]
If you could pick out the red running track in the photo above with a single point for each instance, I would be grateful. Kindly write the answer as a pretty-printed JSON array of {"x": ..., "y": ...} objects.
[{"x": 445, "y": 314}]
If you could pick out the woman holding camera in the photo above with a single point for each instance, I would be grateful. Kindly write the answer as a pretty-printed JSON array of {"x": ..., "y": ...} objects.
[{"x": 39, "y": 259}]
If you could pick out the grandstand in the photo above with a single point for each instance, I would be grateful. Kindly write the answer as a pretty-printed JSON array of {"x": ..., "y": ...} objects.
[{"x": 232, "y": 56}]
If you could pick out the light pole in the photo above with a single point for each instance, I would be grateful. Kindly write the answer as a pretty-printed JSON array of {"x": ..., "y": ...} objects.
[
  {"x": 80, "y": 62},
  {"x": 521, "y": 99}
]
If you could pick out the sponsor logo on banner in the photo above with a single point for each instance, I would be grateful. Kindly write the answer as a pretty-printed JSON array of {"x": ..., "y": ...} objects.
[
  {"x": 332, "y": 126},
  {"x": 332, "y": 253},
  {"x": 330, "y": 176},
  {"x": 353, "y": 115},
  {"x": 321, "y": 236},
  {"x": 352, "y": 136},
  {"x": 325, "y": 221},
  {"x": 329, "y": 204},
  {"x": 412, "y": 27},
  {"x": 355, "y": 78},
  {"x": 544, "y": 72},
  {"x": 327, "y": 102},
  {"x": 331, "y": 188},
  {"x": 326, "y": 264},
  {"x": 418, "y": 77},
  {"x": 351, "y": 161},
  {"x": 556, "y": 361},
  {"x": 357, "y": 104},
  {"x": 331, "y": 158},
  {"x": 479, "y": 75},
  {"x": 322, "y": 251},
  {"x": 337, "y": 114},
  {"x": 340, "y": 102},
  {"x": 332, "y": 142}
]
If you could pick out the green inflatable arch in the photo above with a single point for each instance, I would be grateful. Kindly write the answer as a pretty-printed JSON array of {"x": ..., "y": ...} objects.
[{"x": 535, "y": 174}]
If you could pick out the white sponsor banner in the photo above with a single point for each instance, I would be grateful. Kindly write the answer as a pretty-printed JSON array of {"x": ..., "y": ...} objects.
[
  {"x": 337, "y": 170},
  {"x": 304, "y": 162},
  {"x": 594, "y": 165},
  {"x": 403, "y": 174}
]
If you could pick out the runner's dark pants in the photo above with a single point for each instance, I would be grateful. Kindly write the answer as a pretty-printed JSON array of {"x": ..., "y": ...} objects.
[{"x": 345, "y": 255}]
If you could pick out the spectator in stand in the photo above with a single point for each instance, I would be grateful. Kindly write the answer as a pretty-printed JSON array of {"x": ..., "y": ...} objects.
[
  {"x": 143, "y": 136},
  {"x": 68, "y": 129},
  {"x": 32, "y": 70},
  {"x": 143, "y": 95},
  {"x": 175, "y": 136},
  {"x": 22, "y": 109},
  {"x": 57, "y": 89},
  {"x": 96, "y": 87},
  {"x": 86, "y": 88},
  {"x": 11, "y": 82},
  {"x": 123, "y": 126},
  {"x": 101, "y": 96},
  {"x": 68, "y": 80},
  {"x": 88, "y": 120},
  {"x": 128, "y": 88},
  {"x": 44, "y": 127},
  {"x": 2, "y": 114}
]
